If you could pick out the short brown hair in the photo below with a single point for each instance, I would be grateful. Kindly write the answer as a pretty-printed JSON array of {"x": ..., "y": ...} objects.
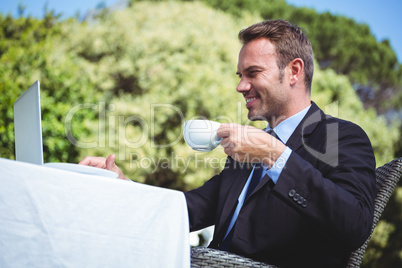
[{"x": 290, "y": 42}]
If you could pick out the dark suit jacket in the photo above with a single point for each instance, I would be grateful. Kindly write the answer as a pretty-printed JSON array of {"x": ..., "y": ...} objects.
[{"x": 320, "y": 209}]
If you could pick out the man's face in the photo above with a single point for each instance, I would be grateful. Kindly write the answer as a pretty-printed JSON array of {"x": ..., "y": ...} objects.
[{"x": 262, "y": 84}]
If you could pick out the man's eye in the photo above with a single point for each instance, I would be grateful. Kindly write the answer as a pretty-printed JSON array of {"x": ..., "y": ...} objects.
[{"x": 253, "y": 73}]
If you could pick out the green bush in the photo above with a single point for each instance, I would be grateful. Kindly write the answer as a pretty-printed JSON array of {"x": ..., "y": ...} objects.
[{"x": 30, "y": 51}]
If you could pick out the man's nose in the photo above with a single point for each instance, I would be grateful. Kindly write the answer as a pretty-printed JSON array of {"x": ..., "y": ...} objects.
[{"x": 243, "y": 86}]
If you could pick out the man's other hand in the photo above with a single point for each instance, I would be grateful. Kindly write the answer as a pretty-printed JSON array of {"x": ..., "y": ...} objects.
[{"x": 105, "y": 163}]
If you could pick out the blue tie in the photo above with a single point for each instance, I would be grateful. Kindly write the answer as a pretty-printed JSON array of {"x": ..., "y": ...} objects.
[
  {"x": 257, "y": 174},
  {"x": 255, "y": 179}
]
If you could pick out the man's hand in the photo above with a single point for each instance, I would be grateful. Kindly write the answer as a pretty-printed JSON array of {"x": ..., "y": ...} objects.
[
  {"x": 250, "y": 144},
  {"x": 105, "y": 163}
]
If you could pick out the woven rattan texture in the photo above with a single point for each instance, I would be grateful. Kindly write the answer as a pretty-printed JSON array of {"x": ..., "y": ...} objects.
[
  {"x": 208, "y": 257},
  {"x": 387, "y": 176}
]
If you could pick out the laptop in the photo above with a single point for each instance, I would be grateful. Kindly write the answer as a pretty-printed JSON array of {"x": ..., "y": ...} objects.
[
  {"x": 28, "y": 126},
  {"x": 28, "y": 134}
]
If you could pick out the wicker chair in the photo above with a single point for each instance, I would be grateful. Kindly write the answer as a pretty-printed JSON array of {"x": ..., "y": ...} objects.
[{"x": 387, "y": 176}]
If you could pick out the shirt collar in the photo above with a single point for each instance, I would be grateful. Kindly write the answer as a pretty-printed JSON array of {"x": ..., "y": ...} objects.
[{"x": 286, "y": 128}]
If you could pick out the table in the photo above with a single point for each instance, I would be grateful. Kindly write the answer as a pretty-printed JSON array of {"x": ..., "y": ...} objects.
[{"x": 57, "y": 218}]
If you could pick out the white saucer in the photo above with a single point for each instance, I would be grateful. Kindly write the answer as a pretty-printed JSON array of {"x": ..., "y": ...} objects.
[{"x": 83, "y": 169}]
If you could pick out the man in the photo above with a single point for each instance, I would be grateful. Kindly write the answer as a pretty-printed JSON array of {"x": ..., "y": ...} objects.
[{"x": 300, "y": 195}]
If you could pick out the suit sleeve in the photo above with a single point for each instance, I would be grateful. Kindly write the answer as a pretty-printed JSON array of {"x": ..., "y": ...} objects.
[
  {"x": 201, "y": 204},
  {"x": 333, "y": 184}
]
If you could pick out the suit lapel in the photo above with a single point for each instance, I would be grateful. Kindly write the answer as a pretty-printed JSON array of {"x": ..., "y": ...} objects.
[
  {"x": 305, "y": 127},
  {"x": 263, "y": 181}
]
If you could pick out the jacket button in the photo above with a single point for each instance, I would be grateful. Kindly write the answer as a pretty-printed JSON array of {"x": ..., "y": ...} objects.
[
  {"x": 304, "y": 204},
  {"x": 301, "y": 200},
  {"x": 296, "y": 197},
  {"x": 292, "y": 193}
]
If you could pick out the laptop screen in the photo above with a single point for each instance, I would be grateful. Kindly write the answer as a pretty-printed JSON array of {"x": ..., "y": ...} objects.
[{"x": 28, "y": 126}]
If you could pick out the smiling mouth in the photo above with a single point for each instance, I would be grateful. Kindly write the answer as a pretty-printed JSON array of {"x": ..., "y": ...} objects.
[{"x": 249, "y": 99}]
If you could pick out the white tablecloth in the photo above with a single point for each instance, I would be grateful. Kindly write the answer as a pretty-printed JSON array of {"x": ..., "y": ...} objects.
[{"x": 56, "y": 218}]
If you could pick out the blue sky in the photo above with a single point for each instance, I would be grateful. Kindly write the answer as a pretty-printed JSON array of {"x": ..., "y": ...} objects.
[{"x": 383, "y": 16}]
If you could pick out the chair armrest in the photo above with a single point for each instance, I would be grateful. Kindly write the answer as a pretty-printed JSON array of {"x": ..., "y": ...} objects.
[{"x": 208, "y": 257}]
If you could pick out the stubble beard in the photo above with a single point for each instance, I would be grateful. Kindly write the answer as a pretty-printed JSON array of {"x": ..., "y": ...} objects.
[
  {"x": 273, "y": 115},
  {"x": 273, "y": 112}
]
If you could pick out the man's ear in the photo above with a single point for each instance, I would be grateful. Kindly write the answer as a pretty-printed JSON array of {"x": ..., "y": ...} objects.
[{"x": 295, "y": 67}]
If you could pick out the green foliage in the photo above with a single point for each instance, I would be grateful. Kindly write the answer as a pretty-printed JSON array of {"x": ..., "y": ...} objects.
[
  {"x": 29, "y": 51},
  {"x": 263, "y": 8},
  {"x": 164, "y": 64}
]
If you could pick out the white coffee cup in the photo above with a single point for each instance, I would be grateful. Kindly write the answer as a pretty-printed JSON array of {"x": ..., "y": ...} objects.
[{"x": 200, "y": 135}]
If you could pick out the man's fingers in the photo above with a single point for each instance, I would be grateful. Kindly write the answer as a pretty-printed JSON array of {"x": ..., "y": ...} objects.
[
  {"x": 93, "y": 161},
  {"x": 110, "y": 162},
  {"x": 105, "y": 163},
  {"x": 86, "y": 161},
  {"x": 223, "y": 131},
  {"x": 111, "y": 165},
  {"x": 228, "y": 151},
  {"x": 225, "y": 142},
  {"x": 227, "y": 129}
]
